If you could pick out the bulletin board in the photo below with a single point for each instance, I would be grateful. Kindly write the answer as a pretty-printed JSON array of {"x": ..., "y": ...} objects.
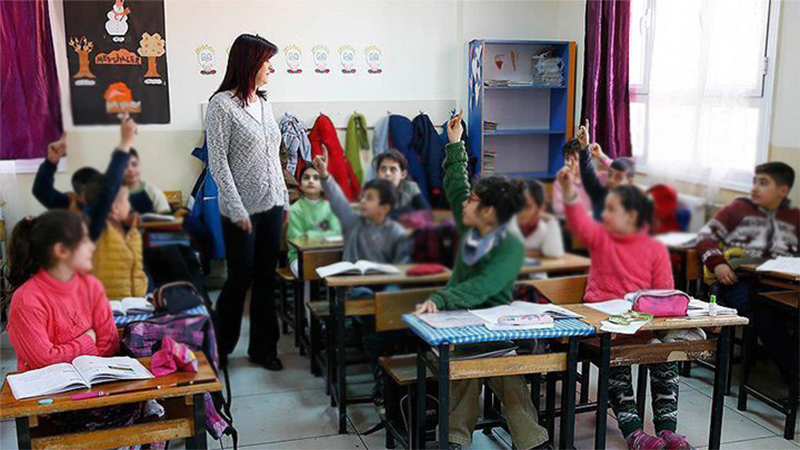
[{"x": 117, "y": 58}]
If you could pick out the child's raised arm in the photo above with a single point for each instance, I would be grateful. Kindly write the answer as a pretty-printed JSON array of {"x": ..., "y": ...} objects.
[
  {"x": 580, "y": 223},
  {"x": 43, "y": 185},
  {"x": 339, "y": 203},
  {"x": 456, "y": 181}
]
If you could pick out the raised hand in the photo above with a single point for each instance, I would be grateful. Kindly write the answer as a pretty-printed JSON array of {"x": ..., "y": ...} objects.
[
  {"x": 566, "y": 178},
  {"x": 454, "y": 128},
  {"x": 596, "y": 150},
  {"x": 583, "y": 134},
  {"x": 321, "y": 163},
  {"x": 57, "y": 150},
  {"x": 128, "y": 130}
]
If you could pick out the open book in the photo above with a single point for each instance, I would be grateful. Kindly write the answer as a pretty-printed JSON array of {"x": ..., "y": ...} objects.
[
  {"x": 152, "y": 217},
  {"x": 782, "y": 264},
  {"x": 84, "y": 372},
  {"x": 490, "y": 317},
  {"x": 131, "y": 306},
  {"x": 359, "y": 268}
]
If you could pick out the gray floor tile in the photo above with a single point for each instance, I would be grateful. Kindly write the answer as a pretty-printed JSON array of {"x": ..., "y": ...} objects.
[
  {"x": 337, "y": 442},
  {"x": 248, "y": 378},
  {"x": 770, "y": 443},
  {"x": 8, "y": 435}
]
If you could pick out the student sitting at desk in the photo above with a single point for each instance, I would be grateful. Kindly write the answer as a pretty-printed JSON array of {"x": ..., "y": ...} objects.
[
  {"x": 625, "y": 259},
  {"x": 485, "y": 271},
  {"x": 373, "y": 236},
  {"x": 310, "y": 216},
  {"x": 392, "y": 166},
  {"x": 43, "y": 185},
  {"x": 540, "y": 232},
  {"x": 144, "y": 197},
  {"x": 760, "y": 227}
]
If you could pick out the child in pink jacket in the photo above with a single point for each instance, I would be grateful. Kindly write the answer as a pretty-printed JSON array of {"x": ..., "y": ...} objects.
[{"x": 625, "y": 259}]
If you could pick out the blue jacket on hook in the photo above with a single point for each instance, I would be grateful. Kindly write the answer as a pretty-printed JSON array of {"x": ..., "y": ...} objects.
[{"x": 401, "y": 132}]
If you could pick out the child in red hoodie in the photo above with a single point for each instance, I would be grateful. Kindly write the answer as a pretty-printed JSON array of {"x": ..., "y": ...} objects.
[{"x": 625, "y": 259}]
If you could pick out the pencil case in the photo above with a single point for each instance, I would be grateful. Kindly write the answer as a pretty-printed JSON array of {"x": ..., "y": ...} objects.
[{"x": 660, "y": 302}]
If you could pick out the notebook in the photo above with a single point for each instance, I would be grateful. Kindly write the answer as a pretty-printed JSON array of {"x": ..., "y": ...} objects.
[
  {"x": 131, "y": 306},
  {"x": 359, "y": 268},
  {"x": 84, "y": 372}
]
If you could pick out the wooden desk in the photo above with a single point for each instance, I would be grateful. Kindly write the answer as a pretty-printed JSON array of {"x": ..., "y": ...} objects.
[
  {"x": 341, "y": 307},
  {"x": 176, "y": 225},
  {"x": 569, "y": 263},
  {"x": 775, "y": 279},
  {"x": 184, "y": 419},
  {"x": 643, "y": 353},
  {"x": 689, "y": 267}
]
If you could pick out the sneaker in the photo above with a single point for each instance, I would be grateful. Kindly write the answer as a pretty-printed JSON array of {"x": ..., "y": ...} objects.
[
  {"x": 675, "y": 441},
  {"x": 639, "y": 440},
  {"x": 453, "y": 446}
]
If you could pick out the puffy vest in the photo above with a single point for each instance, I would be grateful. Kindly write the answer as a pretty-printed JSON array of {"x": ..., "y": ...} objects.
[{"x": 118, "y": 262}]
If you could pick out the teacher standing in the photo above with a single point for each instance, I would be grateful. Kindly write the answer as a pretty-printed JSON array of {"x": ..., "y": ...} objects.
[{"x": 243, "y": 152}]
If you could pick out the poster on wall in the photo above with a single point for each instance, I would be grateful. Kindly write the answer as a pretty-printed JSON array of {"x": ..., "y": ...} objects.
[{"x": 117, "y": 59}]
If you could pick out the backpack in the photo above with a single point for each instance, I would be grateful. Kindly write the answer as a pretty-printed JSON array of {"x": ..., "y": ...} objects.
[
  {"x": 176, "y": 297},
  {"x": 143, "y": 338}
]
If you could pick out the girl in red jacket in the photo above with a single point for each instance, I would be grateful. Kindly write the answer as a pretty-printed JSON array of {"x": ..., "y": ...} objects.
[{"x": 626, "y": 259}]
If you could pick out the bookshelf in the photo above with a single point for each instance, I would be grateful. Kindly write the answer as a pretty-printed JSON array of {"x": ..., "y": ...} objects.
[{"x": 521, "y": 105}]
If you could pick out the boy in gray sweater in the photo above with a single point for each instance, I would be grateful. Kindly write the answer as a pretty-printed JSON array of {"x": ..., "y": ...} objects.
[{"x": 372, "y": 236}]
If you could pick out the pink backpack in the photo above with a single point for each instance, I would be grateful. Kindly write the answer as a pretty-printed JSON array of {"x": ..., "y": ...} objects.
[{"x": 660, "y": 302}]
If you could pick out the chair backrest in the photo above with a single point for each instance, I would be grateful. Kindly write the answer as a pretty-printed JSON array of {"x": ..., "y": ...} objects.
[
  {"x": 174, "y": 198},
  {"x": 563, "y": 290},
  {"x": 390, "y": 307}
]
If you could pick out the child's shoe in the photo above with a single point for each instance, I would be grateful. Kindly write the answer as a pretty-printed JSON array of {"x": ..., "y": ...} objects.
[
  {"x": 639, "y": 440},
  {"x": 674, "y": 440}
]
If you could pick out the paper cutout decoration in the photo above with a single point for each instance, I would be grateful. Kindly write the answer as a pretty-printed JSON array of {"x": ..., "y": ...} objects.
[
  {"x": 475, "y": 78},
  {"x": 121, "y": 57},
  {"x": 151, "y": 46},
  {"x": 347, "y": 56},
  {"x": 294, "y": 58},
  {"x": 321, "y": 57},
  {"x": 374, "y": 57},
  {"x": 82, "y": 47},
  {"x": 119, "y": 99},
  {"x": 498, "y": 60},
  {"x": 117, "y": 24},
  {"x": 205, "y": 58}
]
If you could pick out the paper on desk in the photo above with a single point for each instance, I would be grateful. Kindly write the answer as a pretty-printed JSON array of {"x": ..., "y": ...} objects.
[
  {"x": 451, "y": 319},
  {"x": 337, "y": 238},
  {"x": 611, "y": 307},
  {"x": 699, "y": 308},
  {"x": 782, "y": 264},
  {"x": 676, "y": 239},
  {"x": 632, "y": 328}
]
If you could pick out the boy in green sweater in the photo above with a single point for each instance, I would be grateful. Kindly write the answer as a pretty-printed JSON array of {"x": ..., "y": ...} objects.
[
  {"x": 486, "y": 268},
  {"x": 311, "y": 216}
]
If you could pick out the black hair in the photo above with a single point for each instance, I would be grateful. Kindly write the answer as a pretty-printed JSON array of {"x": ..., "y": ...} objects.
[
  {"x": 134, "y": 153},
  {"x": 572, "y": 147},
  {"x": 395, "y": 156},
  {"x": 303, "y": 170},
  {"x": 33, "y": 239},
  {"x": 81, "y": 177},
  {"x": 536, "y": 188},
  {"x": 386, "y": 192},
  {"x": 780, "y": 172},
  {"x": 626, "y": 165},
  {"x": 633, "y": 199},
  {"x": 507, "y": 197}
]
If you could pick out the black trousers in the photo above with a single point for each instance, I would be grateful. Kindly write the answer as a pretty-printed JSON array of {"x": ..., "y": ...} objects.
[{"x": 251, "y": 259}]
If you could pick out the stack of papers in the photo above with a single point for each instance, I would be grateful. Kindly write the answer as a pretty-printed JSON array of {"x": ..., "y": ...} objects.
[
  {"x": 781, "y": 264},
  {"x": 489, "y": 317},
  {"x": 676, "y": 239},
  {"x": 699, "y": 308}
]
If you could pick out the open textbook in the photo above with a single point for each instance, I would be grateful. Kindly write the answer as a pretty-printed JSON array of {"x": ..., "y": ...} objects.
[
  {"x": 490, "y": 317},
  {"x": 152, "y": 217},
  {"x": 84, "y": 372},
  {"x": 131, "y": 306},
  {"x": 359, "y": 268},
  {"x": 782, "y": 264}
]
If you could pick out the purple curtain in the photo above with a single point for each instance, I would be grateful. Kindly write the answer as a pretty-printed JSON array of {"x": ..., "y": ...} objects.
[
  {"x": 606, "y": 101},
  {"x": 29, "y": 95}
]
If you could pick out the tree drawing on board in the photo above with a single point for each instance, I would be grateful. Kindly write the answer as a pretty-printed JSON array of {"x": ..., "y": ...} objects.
[
  {"x": 82, "y": 47},
  {"x": 151, "y": 47}
]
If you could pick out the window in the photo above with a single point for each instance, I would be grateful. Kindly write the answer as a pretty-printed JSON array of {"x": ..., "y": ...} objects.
[{"x": 700, "y": 84}]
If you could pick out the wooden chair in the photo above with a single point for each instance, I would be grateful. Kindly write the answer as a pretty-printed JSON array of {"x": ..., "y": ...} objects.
[{"x": 174, "y": 198}]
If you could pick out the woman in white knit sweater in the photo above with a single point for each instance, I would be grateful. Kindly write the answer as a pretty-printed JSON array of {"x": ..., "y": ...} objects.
[{"x": 243, "y": 149}]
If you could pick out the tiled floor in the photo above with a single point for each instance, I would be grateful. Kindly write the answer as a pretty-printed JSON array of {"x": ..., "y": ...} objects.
[{"x": 289, "y": 410}]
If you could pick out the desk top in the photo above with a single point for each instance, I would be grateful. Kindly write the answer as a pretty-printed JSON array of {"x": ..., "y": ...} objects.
[
  {"x": 384, "y": 279},
  {"x": 788, "y": 298},
  {"x": 567, "y": 263},
  {"x": 11, "y": 408},
  {"x": 751, "y": 268},
  {"x": 177, "y": 224},
  {"x": 475, "y": 334},
  {"x": 593, "y": 317},
  {"x": 309, "y": 244}
]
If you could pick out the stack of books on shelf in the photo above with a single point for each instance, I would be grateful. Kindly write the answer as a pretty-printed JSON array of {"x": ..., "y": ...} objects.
[
  {"x": 548, "y": 70},
  {"x": 489, "y": 126},
  {"x": 507, "y": 83},
  {"x": 487, "y": 163}
]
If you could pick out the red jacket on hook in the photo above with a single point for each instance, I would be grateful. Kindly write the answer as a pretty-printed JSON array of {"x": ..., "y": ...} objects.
[{"x": 324, "y": 133}]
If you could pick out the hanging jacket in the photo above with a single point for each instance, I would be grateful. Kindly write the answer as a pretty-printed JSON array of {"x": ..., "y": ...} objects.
[
  {"x": 380, "y": 144},
  {"x": 401, "y": 132},
  {"x": 205, "y": 222},
  {"x": 429, "y": 147},
  {"x": 324, "y": 133},
  {"x": 473, "y": 157},
  {"x": 293, "y": 134},
  {"x": 354, "y": 142},
  {"x": 665, "y": 199}
]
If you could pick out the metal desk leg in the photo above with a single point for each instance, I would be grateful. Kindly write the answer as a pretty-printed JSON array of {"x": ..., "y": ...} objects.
[
  {"x": 550, "y": 405},
  {"x": 23, "y": 433},
  {"x": 418, "y": 424},
  {"x": 748, "y": 347},
  {"x": 198, "y": 440},
  {"x": 641, "y": 391},
  {"x": 444, "y": 396},
  {"x": 341, "y": 360},
  {"x": 720, "y": 382},
  {"x": 604, "y": 370},
  {"x": 299, "y": 315},
  {"x": 567, "y": 436}
]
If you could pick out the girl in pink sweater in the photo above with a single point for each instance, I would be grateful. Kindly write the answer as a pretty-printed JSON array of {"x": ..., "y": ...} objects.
[{"x": 625, "y": 259}]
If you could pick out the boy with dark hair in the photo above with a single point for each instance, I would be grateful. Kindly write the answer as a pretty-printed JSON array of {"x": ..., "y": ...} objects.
[
  {"x": 43, "y": 185},
  {"x": 486, "y": 269},
  {"x": 393, "y": 166},
  {"x": 145, "y": 198},
  {"x": 762, "y": 226},
  {"x": 620, "y": 171}
]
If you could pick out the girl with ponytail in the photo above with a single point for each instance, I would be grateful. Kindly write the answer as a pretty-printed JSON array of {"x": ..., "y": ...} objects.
[
  {"x": 58, "y": 312},
  {"x": 626, "y": 259}
]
